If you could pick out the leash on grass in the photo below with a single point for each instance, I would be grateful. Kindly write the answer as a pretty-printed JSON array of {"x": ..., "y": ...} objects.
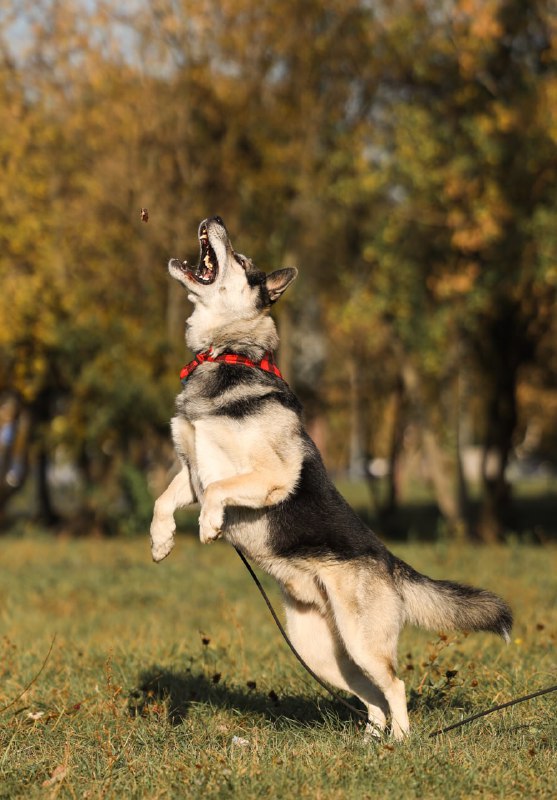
[
  {"x": 358, "y": 711},
  {"x": 515, "y": 702}
]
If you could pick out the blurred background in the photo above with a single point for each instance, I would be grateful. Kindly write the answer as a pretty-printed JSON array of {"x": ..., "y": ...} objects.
[{"x": 401, "y": 153}]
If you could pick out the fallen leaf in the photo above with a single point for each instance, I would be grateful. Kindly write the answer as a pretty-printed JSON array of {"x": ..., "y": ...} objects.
[{"x": 58, "y": 775}]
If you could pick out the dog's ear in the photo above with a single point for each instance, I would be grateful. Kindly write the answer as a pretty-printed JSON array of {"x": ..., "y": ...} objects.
[{"x": 278, "y": 281}]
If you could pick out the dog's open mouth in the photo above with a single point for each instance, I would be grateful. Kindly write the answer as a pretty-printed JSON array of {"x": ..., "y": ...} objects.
[{"x": 207, "y": 269}]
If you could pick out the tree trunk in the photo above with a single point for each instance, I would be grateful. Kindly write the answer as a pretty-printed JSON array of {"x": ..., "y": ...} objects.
[
  {"x": 390, "y": 505},
  {"x": 462, "y": 439},
  {"x": 502, "y": 348},
  {"x": 42, "y": 414},
  {"x": 358, "y": 422},
  {"x": 441, "y": 467},
  {"x": 501, "y": 417},
  {"x": 45, "y": 509}
]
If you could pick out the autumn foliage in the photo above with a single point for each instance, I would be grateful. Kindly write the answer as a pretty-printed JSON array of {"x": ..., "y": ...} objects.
[{"x": 402, "y": 154}]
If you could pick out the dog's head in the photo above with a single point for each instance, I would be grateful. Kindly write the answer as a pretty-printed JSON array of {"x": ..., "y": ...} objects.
[{"x": 225, "y": 281}]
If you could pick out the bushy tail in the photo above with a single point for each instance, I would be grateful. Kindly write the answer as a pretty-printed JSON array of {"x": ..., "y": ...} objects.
[{"x": 444, "y": 605}]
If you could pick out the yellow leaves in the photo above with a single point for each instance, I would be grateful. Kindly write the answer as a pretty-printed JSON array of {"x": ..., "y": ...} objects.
[
  {"x": 549, "y": 106},
  {"x": 59, "y": 427},
  {"x": 482, "y": 18},
  {"x": 475, "y": 237},
  {"x": 467, "y": 62},
  {"x": 506, "y": 118},
  {"x": 478, "y": 216},
  {"x": 391, "y": 234},
  {"x": 485, "y": 125},
  {"x": 551, "y": 276},
  {"x": 28, "y": 375},
  {"x": 354, "y": 317},
  {"x": 369, "y": 253},
  {"x": 485, "y": 25},
  {"x": 450, "y": 285},
  {"x": 458, "y": 186},
  {"x": 476, "y": 31}
]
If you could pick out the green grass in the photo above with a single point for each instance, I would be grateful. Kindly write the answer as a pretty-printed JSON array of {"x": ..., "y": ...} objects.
[{"x": 156, "y": 669}]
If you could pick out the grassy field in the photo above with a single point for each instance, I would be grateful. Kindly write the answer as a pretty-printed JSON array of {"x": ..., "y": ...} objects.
[{"x": 171, "y": 681}]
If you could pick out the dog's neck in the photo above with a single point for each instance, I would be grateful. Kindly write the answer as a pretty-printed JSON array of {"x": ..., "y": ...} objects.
[{"x": 252, "y": 338}]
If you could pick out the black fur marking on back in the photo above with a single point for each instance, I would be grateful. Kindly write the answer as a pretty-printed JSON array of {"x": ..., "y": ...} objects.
[
  {"x": 238, "y": 409},
  {"x": 316, "y": 521},
  {"x": 232, "y": 376},
  {"x": 229, "y": 376}
]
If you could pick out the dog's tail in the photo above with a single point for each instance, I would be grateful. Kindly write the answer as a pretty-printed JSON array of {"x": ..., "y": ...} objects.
[{"x": 444, "y": 605}]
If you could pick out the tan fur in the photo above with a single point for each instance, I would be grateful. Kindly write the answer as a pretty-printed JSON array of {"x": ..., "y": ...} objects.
[
  {"x": 317, "y": 640},
  {"x": 226, "y": 465}
]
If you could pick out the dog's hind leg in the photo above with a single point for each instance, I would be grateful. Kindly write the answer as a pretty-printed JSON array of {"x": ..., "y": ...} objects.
[
  {"x": 179, "y": 494},
  {"x": 314, "y": 636},
  {"x": 369, "y": 624}
]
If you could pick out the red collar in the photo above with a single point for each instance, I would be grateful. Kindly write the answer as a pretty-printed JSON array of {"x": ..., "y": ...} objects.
[{"x": 267, "y": 363}]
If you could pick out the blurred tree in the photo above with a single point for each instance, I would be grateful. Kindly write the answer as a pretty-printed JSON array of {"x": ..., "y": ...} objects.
[
  {"x": 83, "y": 349},
  {"x": 464, "y": 140},
  {"x": 403, "y": 154}
]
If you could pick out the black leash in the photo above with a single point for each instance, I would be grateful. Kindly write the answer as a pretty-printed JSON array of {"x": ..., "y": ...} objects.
[
  {"x": 492, "y": 710},
  {"x": 358, "y": 711}
]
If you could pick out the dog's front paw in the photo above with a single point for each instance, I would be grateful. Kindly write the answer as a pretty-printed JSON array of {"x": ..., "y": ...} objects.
[
  {"x": 210, "y": 523},
  {"x": 162, "y": 540}
]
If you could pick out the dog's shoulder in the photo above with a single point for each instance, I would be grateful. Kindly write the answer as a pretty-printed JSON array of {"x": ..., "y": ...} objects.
[{"x": 236, "y": 391}]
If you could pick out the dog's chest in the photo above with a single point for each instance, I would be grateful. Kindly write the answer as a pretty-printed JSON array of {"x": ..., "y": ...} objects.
[{"x": 213, "y": 449}]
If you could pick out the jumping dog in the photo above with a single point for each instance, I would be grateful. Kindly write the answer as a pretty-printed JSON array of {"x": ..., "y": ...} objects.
[{"x": 247, "y": 458}]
